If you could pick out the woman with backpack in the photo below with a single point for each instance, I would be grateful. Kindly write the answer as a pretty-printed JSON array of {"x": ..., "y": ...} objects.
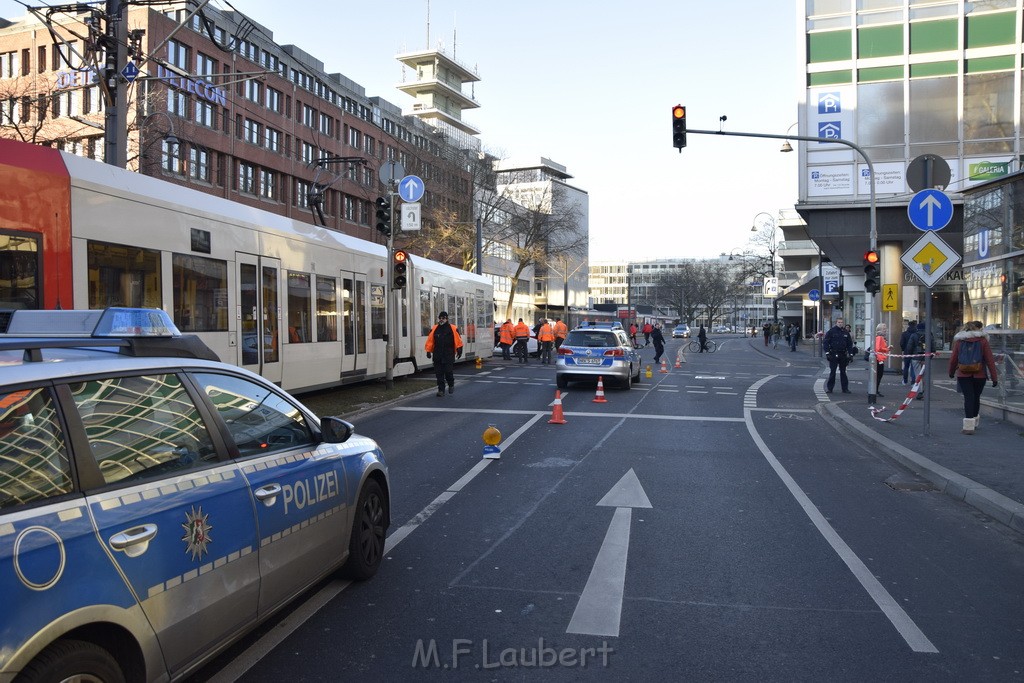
[{"x": 970, "y": 359}]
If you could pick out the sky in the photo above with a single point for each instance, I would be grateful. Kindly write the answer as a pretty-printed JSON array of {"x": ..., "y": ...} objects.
[{"x": 591, "y": 86}]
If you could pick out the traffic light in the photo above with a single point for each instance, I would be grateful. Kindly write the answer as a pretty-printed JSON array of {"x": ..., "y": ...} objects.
[
  {"x": 872, "y": 275},
  {"x": 1005, "y": 282},
  {"x": 399, "y": 268},
  {"x": 384, "y": 216},
  {"x": 838, "y": 305},
  {"x": 679, "y": 127}
]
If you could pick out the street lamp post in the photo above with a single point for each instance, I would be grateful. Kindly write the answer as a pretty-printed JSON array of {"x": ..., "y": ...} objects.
[
  {"x": 869, "y": 297},
  {"x": 770, "y": 229}
]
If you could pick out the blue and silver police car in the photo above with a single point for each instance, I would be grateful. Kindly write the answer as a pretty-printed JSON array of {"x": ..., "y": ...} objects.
[
  {"x": 595, "y": 350},
  {"x": 156, "y": 504}
]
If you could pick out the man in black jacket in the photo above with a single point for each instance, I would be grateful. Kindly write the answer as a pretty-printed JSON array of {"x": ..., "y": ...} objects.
[
  {"x": 444, "y": 344},
  {"x": 838, "y": 347}
]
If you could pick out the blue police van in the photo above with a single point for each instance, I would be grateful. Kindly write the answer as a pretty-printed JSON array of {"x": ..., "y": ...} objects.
[{"x": 155, "y": 503}]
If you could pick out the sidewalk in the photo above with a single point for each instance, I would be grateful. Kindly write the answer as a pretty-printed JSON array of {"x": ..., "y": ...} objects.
[{"x": 985, "y": 470}]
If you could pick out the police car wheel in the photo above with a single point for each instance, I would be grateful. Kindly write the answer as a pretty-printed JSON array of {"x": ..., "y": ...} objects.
[
  {"x": 366, "y": 546},
  {"x": 627, "y": 383},
  {"x": 73, "y": 660},
  {"x": 562, "y": 382}
]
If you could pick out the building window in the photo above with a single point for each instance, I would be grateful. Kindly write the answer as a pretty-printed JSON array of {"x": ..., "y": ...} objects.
[
  {"x": 254, "y": 91},
  {"x": 355, "y": 138},
  {"x": 252, "y": 132},
  {"x": 308, "y": 116},
  {"x": 246, "y": 178},
  {"x": 273, "y": 100},
  {"x": 268, "y": 184},
  {"x": 171, "y": 157},
  {"x": 177, "y": 54},
  {"x": 273, "y": 140},
  {"x": 205, "y": 65},
  {"x": 308, "y": 153},
  {"x": 205, "y": 115},
  {"x": 199, "y": 164},
  {"x": 350, "y": 209},
  {"x": 326, "y": 124},
  {"x": 177, "y": 103}
]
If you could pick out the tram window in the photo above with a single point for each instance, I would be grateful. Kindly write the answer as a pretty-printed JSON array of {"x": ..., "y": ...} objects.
[
  {"x": 360, "y": 309},
  {"x": 35, "y": 462},
  {"x": 377, "y": 311},
  {"x": 426, "y": 320},
  {"x": 120, "y": 275},
  {"x": 19, "y": 271},
  {"x": 299, "y": 308},
  {"x": 200, "y": 293},
  {"x": 326, "y": 309}
]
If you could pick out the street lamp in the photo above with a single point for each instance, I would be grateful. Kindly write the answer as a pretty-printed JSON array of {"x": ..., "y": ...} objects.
[
  {"x": 170, "y": 142},
  {"x": 767, "y": 231}
]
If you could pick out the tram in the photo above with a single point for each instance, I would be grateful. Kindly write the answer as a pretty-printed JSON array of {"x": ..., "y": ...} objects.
[{"x": 304, "y": 306}]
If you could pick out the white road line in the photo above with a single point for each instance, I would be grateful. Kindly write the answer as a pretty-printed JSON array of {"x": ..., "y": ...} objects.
[
  {"x": 599, "y": 609},
  {"x": 905, "y": 626},
  {"x": 669, "y": 391}
]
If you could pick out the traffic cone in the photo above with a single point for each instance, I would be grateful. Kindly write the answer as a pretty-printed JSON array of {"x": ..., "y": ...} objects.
[
  {"x": 599, "y": 396},
  {"x": 679, "y": 361},
  {"x": 556, "y": 410},
  {"x": 664, "y": 366}
]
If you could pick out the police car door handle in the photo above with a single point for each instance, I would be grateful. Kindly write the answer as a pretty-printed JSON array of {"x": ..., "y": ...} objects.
[
  {"x": 135, "y": 541},
  {"x": 268, "y": 494}
]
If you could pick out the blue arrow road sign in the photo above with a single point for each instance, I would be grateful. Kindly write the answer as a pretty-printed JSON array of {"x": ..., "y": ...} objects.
[
  {"x": 814, "y": 295},
  {"x": 410, "y": 189},
  {"x": 130, "y": 72},
  {"x": 930, "y": 210}
]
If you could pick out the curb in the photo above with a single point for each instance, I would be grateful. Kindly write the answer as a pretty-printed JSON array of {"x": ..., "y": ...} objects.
[{"x": 956, "y": 486}]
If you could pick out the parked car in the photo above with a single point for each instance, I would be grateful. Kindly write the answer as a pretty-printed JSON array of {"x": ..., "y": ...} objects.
[
  {"x": 682, "y": 331},
  {"x": 598, "y": 349},
  {"x": 532, "y": 347},
  {"x": 157, "y": 504},
  {"x": 722, "y": 329}
]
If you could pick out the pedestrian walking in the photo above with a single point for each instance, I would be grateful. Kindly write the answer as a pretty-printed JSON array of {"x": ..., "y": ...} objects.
[
  {"x": 849, "y": 331},
  {"x": 659, "y": 343},
  {"x": 793, "y": 334},
  {"x": 561, "y": 332},
  {"x": 882, "y": 349},
  {"x": 632, "y": 333},
  {"x": 506, "y": 337},
  {"x": 776, "y": 331},
  {"x": 648, "y": 328},
  {"x": 971, "y": 362},
  {"x": 521, "y": 332},
  {"x": 838, "y": 347},
  {"x": 767, "y": 330},
  {"x": 702, "y": 337},
  {"x": 908, "y": 362},
  {"x": 444, "y": 345},
  {"x": 546, "y": 340}
]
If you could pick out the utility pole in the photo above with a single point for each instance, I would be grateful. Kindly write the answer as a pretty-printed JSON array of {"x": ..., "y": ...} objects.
[{"x": 115, "y": 42}]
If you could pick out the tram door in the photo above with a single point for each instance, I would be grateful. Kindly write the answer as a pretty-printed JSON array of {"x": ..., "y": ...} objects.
[
  {"x": 259, "y": 315},
  {"x": 353, "y": 324}
]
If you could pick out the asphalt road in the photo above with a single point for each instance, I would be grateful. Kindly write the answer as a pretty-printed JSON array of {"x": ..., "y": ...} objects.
[{"x": 709, "y": 524}]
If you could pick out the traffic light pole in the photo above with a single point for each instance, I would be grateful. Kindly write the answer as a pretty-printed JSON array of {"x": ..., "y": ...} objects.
[
  {"x": 869, "y": 297},
  {"x": 392, "y": 308}
]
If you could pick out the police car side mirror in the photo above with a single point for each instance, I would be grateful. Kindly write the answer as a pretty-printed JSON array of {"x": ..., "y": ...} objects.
[{"x": 336, "y": 430}]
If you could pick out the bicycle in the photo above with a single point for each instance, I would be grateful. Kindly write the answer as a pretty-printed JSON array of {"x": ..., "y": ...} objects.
[{"x": 709, "y": 346}]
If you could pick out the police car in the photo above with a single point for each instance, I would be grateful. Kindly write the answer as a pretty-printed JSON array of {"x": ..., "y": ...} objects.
[
  {"x": 156, "y": 504},
  {"x": 595, "y": 350}
]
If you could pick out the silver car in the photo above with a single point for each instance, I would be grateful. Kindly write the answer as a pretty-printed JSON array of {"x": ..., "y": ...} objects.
[
  {"x": 597, "y": 350},
  {"x": 156, "y": 504}
]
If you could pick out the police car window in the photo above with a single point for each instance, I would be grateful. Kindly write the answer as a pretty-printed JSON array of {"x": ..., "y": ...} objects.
[
  {"x": 34, "y": 463},
  {"x": 142, "y": 427},
  {"x": 260, "y": 420}
]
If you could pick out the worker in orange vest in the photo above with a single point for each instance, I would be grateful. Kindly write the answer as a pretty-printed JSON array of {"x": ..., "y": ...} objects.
[
  {"x": 444, "y": 345},
  {"x": 522, "y": 334},
  {"x": 546, "y": 339},
  {"x": 560, "y": 333},
  {"x": 506, "y": 336}
]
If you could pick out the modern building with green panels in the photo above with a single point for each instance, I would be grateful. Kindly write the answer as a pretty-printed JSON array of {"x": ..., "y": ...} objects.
[{"x": 902, "y": 79}]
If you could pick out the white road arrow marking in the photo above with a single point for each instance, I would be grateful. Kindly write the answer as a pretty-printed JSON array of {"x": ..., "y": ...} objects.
[{"x": 599, "y": 609}]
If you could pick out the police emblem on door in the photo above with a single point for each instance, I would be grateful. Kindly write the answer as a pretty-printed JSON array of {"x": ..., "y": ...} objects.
[{"x": 197, "y": 533}]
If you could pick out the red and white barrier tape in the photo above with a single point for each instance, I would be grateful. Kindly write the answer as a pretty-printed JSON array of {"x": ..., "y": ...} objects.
[{"x": 911, "y": 395}]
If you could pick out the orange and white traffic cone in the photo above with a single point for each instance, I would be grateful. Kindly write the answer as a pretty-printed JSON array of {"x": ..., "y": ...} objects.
[
  {"x": 556, "y": 410},
  {"x": 599, "y": 396},
  {"x": 679, "y": 361},
  {"x": 664, "y": 366}
]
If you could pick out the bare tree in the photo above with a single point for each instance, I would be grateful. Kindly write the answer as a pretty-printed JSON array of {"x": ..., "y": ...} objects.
[
  {"x": 32, "y": 109},
  {"x": 546, "y": 226}
]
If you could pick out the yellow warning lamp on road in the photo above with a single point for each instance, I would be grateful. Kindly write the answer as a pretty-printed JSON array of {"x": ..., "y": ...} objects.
[{"x": 492, "y": 437}]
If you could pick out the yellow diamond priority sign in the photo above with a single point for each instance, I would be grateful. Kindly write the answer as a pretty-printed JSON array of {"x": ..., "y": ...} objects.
[{"x": 929, "y": 258}]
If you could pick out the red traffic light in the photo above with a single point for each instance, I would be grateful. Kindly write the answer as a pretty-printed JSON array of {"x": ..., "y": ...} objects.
[{"x": 870, "y": 257}]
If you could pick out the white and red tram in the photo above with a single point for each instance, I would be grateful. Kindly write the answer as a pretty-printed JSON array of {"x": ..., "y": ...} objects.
[{"x": 302, "y": 305}]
